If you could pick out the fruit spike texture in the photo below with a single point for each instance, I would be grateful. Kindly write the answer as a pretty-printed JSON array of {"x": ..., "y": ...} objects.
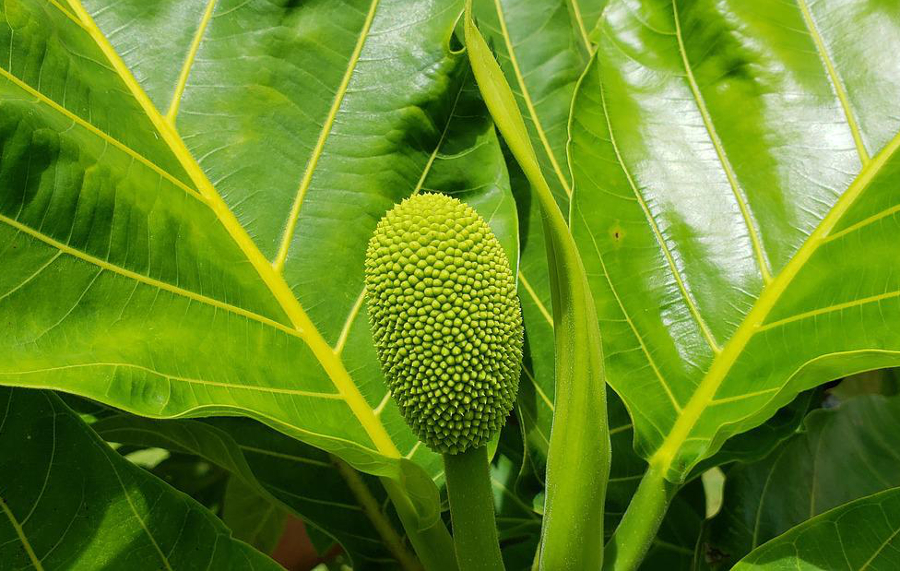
[{"x": 446, "y": 320}]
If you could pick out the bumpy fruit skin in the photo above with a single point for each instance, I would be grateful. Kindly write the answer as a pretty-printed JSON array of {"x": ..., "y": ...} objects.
[{"x": 446, "y": 320}]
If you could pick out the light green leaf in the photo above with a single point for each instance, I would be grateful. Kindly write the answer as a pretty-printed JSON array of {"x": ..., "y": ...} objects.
[
  {"x": 846, "y": 453},
  {"x": 858, "y": 536},
  {"x": 71, "y": 502},
  {"x": 739, "y": 244},
  {"x": 209, "y": 224}
]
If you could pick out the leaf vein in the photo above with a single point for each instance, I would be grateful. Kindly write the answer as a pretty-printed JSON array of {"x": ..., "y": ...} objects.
[
  {"x": 318, "y": 150},
  {"x": 744, "y": 207}
]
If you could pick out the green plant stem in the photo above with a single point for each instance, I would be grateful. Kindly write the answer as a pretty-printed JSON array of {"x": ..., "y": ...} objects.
[
  {"x": 433, "y": 543},
  {"x": 637, "y": 530},
  {"x": 472, "y": 510},
  {"x": 370, "y": 507},
  {"x": 579, "y": 454}
]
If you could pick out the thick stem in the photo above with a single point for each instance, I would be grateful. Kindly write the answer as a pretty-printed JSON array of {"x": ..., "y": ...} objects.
[
  {"x": 631, "y": 540},
  {"x": 433, "y": 544},
  {"x": 472, "y": 510}
]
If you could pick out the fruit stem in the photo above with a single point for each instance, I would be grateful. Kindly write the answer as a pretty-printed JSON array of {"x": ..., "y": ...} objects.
[{"x": 472, "y": 510}]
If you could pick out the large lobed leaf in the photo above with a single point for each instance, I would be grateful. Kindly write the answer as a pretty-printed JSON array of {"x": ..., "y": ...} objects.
[
  {"x": 736, "y": 171},
  {"x": 186, "y": 192},
  {"x": 71, "y": 502}
]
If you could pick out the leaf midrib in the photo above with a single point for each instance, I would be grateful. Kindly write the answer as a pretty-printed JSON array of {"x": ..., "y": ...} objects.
[
  {"x": 755, "y": 318},
  {"x": 329, "y": 361}
]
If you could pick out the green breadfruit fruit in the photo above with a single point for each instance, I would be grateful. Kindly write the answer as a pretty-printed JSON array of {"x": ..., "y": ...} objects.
[{"x": 446, "y": 320}]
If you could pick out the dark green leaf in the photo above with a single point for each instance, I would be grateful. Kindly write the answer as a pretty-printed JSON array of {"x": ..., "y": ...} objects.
[
  {"x": 284, "y": 472},
  {"x": 845, "y": 454},
  {"x": 863, "y": 535},
  {"x": 71, "y": 502},
  {"x": 251, "y": 517}
]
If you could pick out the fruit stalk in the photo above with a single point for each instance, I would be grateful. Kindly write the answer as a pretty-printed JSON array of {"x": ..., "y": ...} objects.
[{"x": 472, "y": 510}]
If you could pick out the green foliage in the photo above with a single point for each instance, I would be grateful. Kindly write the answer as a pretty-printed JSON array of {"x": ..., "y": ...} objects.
[
  {"x": 445, "y": 320},
  {"x": 844, "y": 454},
  {"x": 862, "y": 534},
  {"x": 694, "y": 200},
  {"x": 71, "y": 502}
]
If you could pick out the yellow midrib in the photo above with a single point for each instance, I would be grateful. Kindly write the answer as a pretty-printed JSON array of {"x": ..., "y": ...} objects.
[
  {"x": 273, "y": 280},
  {"x": 755, "y": 240},
  {"x": 668, "y": 450},
  {"x": 23, "y": 539},
  {"x": 68, "y": 14},
  {"x": 189, "y": 62},
  {"x": 579, "y": 20},
  {"x": 306, "y": 181},
  {"x": 835, "y": 81}
]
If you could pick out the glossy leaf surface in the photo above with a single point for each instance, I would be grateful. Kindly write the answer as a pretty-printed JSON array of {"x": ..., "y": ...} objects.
[
  {"x": 845, "y": 454},
  {"x": 735, "y": 168},
  {"x": 71, "y": 502},
  {"x": 542, "y": 51},
  {"x": 861, "y": 535},
  {"x": 202, "y": 180}
]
